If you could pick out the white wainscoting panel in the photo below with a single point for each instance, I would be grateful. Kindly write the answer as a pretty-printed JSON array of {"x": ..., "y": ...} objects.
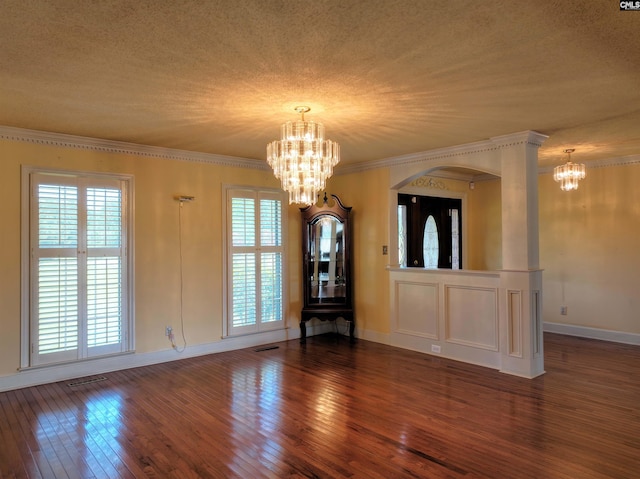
[
  {"x": 417, "y": 308},
  {"x": 514, "y": 322},
  {"x": 472, "y": 316},
  {"x": 447, "y": 313}
]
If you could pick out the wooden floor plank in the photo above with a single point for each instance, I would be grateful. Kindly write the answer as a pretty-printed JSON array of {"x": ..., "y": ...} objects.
[
  {"x": 24, "y": 414},
  {"x": 334, "y": 410}
]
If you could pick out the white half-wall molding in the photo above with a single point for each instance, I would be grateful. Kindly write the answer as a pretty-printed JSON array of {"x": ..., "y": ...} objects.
[{"x": 490, "y": 318}]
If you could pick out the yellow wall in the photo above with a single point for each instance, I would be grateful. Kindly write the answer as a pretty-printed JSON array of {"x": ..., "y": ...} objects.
[
  {"x": 589, "y": 249},
  {"x": 484, "y": 220},
  {"x": 367, "y": 193},
  {"x": 9, "y": 263},
  {"x": 588, "y": 246},
  {"x": 157, "y": 261},
  {"x": 588, "y": 243}
]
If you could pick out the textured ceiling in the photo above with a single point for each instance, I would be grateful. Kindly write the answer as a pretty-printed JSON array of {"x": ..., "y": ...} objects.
[{"x": 386, "y": 77}]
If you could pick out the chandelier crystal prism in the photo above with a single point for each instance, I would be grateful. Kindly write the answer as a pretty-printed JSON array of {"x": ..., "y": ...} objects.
[
  {"x": 570, "y": 173},
  {"x": 302, "y": 159}
]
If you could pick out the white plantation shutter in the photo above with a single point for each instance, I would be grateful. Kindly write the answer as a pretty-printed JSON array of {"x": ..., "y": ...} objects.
[
  {"x": 57, "y": 268},
  {"x": 271, "y": 260},
  {"x": 79, "y": 268},
  {"x": 271, "y": 287},
  {"x": 270, "y": 222},
  {"x": 255, "y": 261},
  {"x": 105, "y": 315},
  {"x": 57, "y": 305},
  {"x": 104, "y": 301},
  {"x": 57, "y": 216},
  {"x": 104, "y": 217},
  {"x": 243, "y": 221},
  {"x": 243, "y": 263},
  {"x": 244, "y": 290}
]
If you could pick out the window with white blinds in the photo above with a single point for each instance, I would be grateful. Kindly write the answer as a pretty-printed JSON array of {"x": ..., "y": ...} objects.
[
  {"x": 255, "y": 258},
  {"x": 79, "y": 267}
]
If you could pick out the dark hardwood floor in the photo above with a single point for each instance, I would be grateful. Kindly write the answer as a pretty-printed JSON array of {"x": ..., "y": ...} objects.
[{"x": 332, "y": 409}]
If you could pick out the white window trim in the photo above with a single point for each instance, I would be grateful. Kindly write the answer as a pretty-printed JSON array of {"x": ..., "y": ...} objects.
[
  {"x": 25, "y": 253},
  {"x": 226, "y": 249}
]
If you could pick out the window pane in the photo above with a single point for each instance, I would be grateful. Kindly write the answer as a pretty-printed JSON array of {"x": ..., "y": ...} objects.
[
  {"x": 57, "y": 216},
  {"x": 243, "y": 222},
  {"x": 104, "y": 226},
  {"x": 104, "y": 301},
  {"x": 402, "y": 235},
  {"x": 430, "y": 246},
  {"x": 270, "y": 231},
  {"x": 57, "y": 305},
  {"x": 271, "y": 287},
  {"x": 455, "y": 240},
  {"x": 243, "y": 289}
]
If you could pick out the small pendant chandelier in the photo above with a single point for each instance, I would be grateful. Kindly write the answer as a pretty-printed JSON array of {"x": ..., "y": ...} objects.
[
  {"x": 302, "y": 159},
  {"x": 569, "y": 174}
]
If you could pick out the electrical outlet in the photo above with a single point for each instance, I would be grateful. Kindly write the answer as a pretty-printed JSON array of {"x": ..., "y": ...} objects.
[
  {"x": 385, "y": 249},
  {"x": 435, "y": 348},
  {"x": 563, "y": 310},
  {"x": 168, "y": 331}
]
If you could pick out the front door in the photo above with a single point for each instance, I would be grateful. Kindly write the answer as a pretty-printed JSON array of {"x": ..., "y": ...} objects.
[{"x": 431, "y": 231}]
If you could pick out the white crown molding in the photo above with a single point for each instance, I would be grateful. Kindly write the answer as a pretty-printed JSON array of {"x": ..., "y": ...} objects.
[
  {"x": 495, "y": 143},
  {"x": 545, "y": 170},
  {"x": 469, "y": 149},
  {"x": 450, "y": 151},
  {"x": 604, "y": 163},
  {"x": 111, "y": 146},
  {"x": 523, "y": 137}
]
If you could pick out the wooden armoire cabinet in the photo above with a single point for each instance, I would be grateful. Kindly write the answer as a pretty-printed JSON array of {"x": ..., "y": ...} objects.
[{"x": 326, "y": 253}]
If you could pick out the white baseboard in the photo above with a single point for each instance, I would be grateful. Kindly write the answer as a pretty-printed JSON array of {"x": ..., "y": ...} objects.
[
  {"x": 374, "y": 336},
  {"x": 61, "y": 372},
  {"x": 592, "y": 333}
]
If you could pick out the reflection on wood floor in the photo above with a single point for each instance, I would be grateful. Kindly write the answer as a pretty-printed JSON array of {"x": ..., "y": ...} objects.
[{"x": 331, "y": 409}]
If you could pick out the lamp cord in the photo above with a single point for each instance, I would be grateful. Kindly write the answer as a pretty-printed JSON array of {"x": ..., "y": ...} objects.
[{"x": 184, "y": 340}]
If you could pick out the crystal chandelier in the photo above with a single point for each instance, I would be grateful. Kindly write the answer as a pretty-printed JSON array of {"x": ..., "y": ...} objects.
[
  {"x": 569, "y": 174},
  {"x": 302, "y": 159}
]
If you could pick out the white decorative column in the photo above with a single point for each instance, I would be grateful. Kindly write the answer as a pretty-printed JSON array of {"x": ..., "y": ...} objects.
[{"x": 521, "y": 341}]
